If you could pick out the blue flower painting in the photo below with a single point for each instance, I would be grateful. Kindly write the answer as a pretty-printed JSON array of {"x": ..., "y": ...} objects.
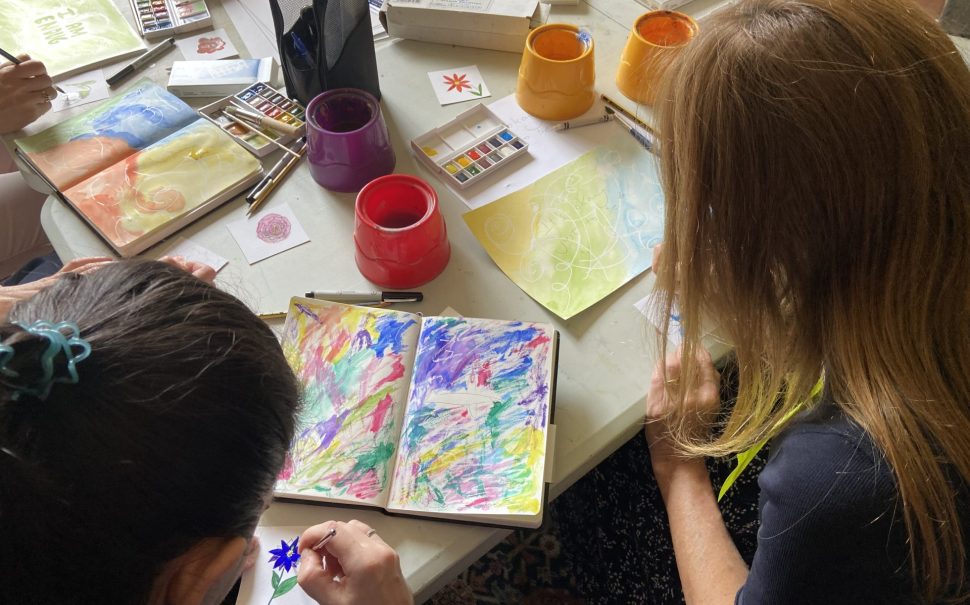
[{"x": 285, "y": 560}]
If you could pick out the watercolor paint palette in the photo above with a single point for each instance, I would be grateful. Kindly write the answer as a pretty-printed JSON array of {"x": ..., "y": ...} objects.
[
  {"x": 469, "y": 148},
  {"x": 162, "y": 18},
  {"x": 264, "y": 99}
]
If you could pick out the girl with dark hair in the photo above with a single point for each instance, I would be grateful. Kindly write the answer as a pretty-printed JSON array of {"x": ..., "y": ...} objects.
[{"x": 144, "y": 416}]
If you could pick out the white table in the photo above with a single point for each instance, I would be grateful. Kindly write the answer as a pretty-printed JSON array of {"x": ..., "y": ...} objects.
[{"x": 606, "y": 352}]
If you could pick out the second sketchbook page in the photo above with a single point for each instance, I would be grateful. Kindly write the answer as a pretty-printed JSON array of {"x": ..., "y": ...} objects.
[{"x": 475, "y": 430}]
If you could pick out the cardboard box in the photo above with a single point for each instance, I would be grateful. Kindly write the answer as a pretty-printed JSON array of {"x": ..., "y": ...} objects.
[
  {"x": 218, "y": 78},
  {"x": 493, "y": 24}
]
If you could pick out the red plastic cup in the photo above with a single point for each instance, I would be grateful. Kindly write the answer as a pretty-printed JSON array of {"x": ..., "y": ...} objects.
[{"x": 399, "y": 234}]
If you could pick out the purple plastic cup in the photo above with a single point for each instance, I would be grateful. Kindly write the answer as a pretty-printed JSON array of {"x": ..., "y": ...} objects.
[{"x": 347, "y": 141}]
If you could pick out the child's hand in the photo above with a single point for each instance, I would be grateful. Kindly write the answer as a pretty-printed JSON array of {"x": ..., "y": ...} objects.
[{"x": 355, "y": 567}]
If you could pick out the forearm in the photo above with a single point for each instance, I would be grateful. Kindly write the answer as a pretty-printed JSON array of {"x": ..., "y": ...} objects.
[{"x": 710, "y": 567}]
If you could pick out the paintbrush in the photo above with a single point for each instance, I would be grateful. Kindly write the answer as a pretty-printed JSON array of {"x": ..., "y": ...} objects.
[
  {"x": 17, "y": 61},
  {"x": 264, "y": 121},
  {"x": 634, "y": 130},
  {"x": 253, "y": 128}
]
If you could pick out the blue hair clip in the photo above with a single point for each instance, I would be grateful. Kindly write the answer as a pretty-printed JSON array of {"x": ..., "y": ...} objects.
[
  {"x": 6, "y": 354},
  {"x": 74, "y": 348}
]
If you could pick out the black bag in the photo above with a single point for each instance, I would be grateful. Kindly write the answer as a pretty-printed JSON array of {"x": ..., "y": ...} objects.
[{"x": 325, "y": 44}]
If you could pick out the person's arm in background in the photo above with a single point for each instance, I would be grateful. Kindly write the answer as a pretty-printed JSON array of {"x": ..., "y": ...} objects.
[
  {"x": 954, "y": 15},
  {"x": 710, "y": 567},
  {"x": 25, "y": 92},
  {"x": 11, "y": 295}
]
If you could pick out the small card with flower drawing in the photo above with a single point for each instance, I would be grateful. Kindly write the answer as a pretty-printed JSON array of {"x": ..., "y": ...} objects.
[
  {"x": 458, "y": 84},
  {"x": 272, "y": 578}
]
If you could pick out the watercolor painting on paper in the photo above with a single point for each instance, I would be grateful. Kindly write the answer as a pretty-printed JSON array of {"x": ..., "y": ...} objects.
[
  {"x": 574, "y": 236},
  {"x": 272, "y": 579},
  {"x": 458, "y": 84},
  {"x": 474, "y": 435},
  {"x": 78, "y": 147},
  {"x": 354, "y": 365},
  {"x": 67, "y": 35},
  {"x": 269, "y": 233},
  {"x": 151, "y": 188}
]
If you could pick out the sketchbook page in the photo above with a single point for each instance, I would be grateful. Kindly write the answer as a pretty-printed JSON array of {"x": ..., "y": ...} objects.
[
  {"x": 272, "y": 579},
  {"x": 69, "y": 36},
  {"x": 574, "y": 236},
  {"x": 144, "y": 192},
  {"x": 355, "y": 365},
  {"x": 78, "y": 147},
  {"x": 474, "y": 434}
]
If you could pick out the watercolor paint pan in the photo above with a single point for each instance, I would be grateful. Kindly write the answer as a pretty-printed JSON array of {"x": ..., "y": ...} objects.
[
  {"x": 470, "y": 148},
  {"x": 163, "y": 18},
  {"x": 262, "y": 98}
]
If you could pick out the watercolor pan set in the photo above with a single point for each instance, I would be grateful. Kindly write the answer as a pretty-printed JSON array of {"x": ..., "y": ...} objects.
[
  {"x": 264, "y": 99},
  {"x": 470, "y": 147},
  {"x": 162, "y": 18}
]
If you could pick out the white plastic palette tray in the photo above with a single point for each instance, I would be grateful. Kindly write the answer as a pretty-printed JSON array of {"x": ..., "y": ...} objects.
[{"x": 469, "y": 148}]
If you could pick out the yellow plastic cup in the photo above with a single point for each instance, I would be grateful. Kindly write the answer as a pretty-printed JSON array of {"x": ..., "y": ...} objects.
[
  {"x": 557, "y": 75},
  {"x": 654, "y": 41}
]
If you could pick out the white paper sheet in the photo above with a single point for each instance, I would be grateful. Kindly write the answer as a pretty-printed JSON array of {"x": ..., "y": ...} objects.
[
  {"x": 458, "y": 84},
  {"x": 256, "y": 587},
  {"x": 80, "y": 90},
  {"x": 548, "y": 149},
  {"x": 208, "y": 46},
  {"x": 650, "y": 307},
  {"x": 192, "y": 251},
  {"x": 268, "y": 233}
]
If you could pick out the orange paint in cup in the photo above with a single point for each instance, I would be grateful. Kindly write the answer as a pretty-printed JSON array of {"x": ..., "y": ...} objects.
[{"x": 665, "y": 29}]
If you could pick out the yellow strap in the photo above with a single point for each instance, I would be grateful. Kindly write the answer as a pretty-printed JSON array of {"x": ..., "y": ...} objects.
[{"x": 745, "y": 457}]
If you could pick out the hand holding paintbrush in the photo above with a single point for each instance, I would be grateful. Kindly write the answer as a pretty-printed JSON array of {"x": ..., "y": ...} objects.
[{"x": 26, "y": 92}]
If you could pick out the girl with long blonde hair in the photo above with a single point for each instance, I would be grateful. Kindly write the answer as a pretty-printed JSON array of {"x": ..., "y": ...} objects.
[{"x": 815, "y": 155}]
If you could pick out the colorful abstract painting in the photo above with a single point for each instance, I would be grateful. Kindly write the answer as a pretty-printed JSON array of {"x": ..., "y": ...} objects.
[
  {"x": 354, "y": 365},
  {"x": 474, "y": 436},
  {"x": 78, "y": 147},
  {"x": 67, "y": 35},
  {"x": 171, "y": 178},
  {"x": 579, "y": 233}
]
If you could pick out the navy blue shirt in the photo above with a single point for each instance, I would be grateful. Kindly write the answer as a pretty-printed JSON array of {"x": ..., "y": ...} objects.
[{"x": 831, "y": 530}]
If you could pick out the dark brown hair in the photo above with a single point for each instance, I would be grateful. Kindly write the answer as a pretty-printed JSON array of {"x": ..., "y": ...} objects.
[
  {"x": 816, "y": 163},
  {"x": 175, "y": 432}
]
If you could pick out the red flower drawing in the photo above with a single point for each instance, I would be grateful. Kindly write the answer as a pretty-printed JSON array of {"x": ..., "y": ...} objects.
[
  {"x": 456, "y": 82},
  {"x": 207, "y": 46}
]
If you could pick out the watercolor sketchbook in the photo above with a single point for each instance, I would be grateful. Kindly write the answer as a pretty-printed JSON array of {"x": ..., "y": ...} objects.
[
  {"x": 443, "y": 417},
  {"x": 140, "y": 166},
  {"x": 69, "y": 36}
]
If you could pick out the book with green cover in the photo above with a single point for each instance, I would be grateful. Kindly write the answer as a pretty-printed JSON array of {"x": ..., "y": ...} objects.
[{"x": 69, "y": 36}]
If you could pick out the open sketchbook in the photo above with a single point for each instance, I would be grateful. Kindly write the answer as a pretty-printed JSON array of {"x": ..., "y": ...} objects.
[
  {"x": 443, "y": 417},
  {"x": 140, "y": 166}
]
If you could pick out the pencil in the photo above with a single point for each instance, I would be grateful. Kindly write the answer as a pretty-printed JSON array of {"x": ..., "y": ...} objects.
[
  {"x": 274, "y": 181},
  {"x": 621, "y": 111},
  {"x": 17, "y": 61}
]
